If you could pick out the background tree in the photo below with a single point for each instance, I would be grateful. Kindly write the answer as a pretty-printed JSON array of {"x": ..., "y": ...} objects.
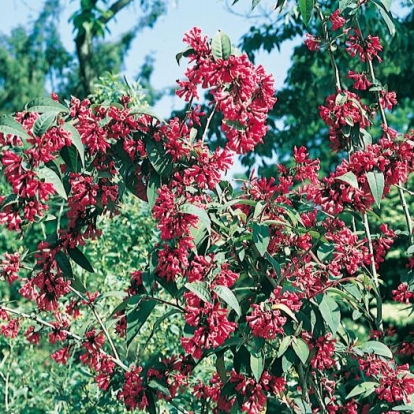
[{"x": 33, "y": 59}]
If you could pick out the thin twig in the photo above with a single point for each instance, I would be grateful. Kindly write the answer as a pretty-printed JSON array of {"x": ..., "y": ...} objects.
[
  {"x": 328, "y": 43},
  {"x": 36, "y": 318},
  {"x": 100, "y": 322},
  {"x": 374, "y": 271}
]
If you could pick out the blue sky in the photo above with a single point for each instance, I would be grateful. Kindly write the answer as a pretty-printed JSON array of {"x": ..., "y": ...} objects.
[{"x": 165, "y": 39}]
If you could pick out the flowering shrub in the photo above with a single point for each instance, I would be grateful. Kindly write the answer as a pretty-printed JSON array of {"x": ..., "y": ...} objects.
[{"x": 261, "y": 276}]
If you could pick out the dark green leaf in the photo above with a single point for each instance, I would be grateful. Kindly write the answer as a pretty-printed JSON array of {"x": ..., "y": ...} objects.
[
  {"x": 154, "y": 183},
  {"x": 330, "y": 312},
  {"x": 324, "y": 250},
  {"x": 306, "y": 8},
  {"x": 349, "y": 178},
  {"x": 364, "y": 389},
  {"x": 159, "y": 386},
  {"x": 45, "y": 105},
  {"x": 160, "y": 160},
  {"x": 200, "y": 289},
  {"x": 9, "y": 125},
  {"x": 199, "y": 212},
  {"x": 10, "y": 199},
  {"x": 185, "y": 53},
  {"x": 376, "y": 184},
  {"x": 301, "y": 349},
  {"x": 275, "y": 264},
  {"x": 257, "y": 365},
  {"x": 64, "y": 264},
  {"x": 224, "y": 293},
  {"x": 148, "y": 281},
  {"x": 137, "y": 317},
  {"x": 221, "y": 46},
  {"x": 79, "y": 258},
  {"x": 261, "y": 237},
  {"x": 43, "y": 123},
  {"x": 76, "y": 140},
  {"x": 49, "y": 176},
  {"x": 237, "y": 125}
]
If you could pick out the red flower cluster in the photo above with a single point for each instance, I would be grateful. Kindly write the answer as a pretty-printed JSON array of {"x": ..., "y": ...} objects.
[{"x": 242, "y": 92}]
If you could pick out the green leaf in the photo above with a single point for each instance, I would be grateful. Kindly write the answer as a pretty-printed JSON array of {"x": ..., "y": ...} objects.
[
  {"x": 387, "y": 17},
  {"x": 200, "y": 289},
  {"x": 10, "y": 199},
  {"x": 301, "y": 349},
  {"x": 154, "y": 183},
  {"x": 45, "y": 104},
  {"x": 365, "y": 389},
  {"x": 76, "y": 140},
  {"x": 221, "y": 46},
  {"x": 64, "y": 264},
  {"x": 261, "y": 237},
  {"x": 199, "y": 212},
  {"x": 330, "y": 312},
  {"x": 9, "y": 125},
  {"x": 275, "y": 264},
  {"x": 306, "y": 8},
  {"x": 284, "y": 345},
  {"x": 237, "y": 125},
  {"x": 185, "y": 53},
  {"x": 143, "y": 110},
  {"x": 224, "y": 293},
  {"x": 350, "y": 178},
  {"x": 79, "y": 258},
  {"x": 158, "y": 323},
  {"x": 159, "y": 386},
  {"x": 137, "y": 317},
  {"x": 49, "y": 176},
  {"x": 148, "y": 280},
  {"x": 324, "y": 250},
  {"x": 386, "y": 4},
  {"x": 160, "y": 160},
  {"x": 375, "y": 347},
  {"x": 43, "y": 123},
  {"x": 409, "y": 408},
  {"x": 257, "y": 365},
  {"x": 285, "y": 309},
  {"x": 376, "y": 185}
]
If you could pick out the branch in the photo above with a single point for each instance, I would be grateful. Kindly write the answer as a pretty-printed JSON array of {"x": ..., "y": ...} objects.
[
  {"x": 113, "y": 10},
  {"x": 70, "y": 334}
]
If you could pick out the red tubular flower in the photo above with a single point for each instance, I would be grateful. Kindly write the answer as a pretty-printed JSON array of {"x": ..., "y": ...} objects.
[
  {"x": 61, "y": 356},
  {"x": 336, "y": 20},
  {"x": 361, "y": 81},
  {"x": 313, "y": 43},
  {"x": 10, "y": 266},
  {"x": 267, "y": 319},
  {"x": 133, "y": 392},
  {"x": 388, "y": 99}
]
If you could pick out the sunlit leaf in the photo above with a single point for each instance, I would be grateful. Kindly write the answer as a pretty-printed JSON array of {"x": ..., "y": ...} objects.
[
  {"x": 224, "y": 293},
  {"x": 49, "y": 176},
  {"x": 376, "y": 184},
  {"x": 306, "y": 9},
  {"x": 45, "y": 104},
  {"x": 221, "y": 46}
]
